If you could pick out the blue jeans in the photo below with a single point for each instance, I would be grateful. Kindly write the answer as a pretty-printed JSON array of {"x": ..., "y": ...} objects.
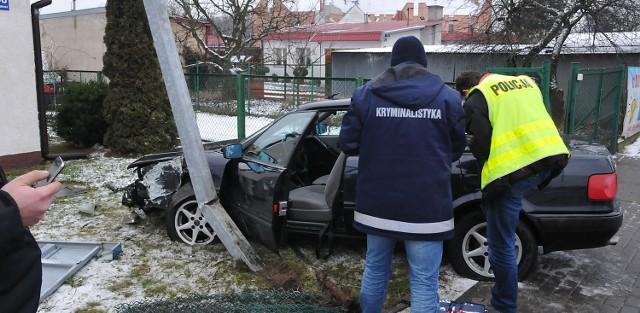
[
  {"x": 502, "y": 220},
  {"x": 424, "y": 263}
]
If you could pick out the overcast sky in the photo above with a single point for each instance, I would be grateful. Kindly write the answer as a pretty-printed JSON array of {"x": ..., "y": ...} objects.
[{"x": 368, "y": 6}]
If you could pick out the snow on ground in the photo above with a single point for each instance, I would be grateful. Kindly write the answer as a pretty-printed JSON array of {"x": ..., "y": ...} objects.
[
  {"x": 151, "y": 266},
  {"x": 631, "y": 150}
]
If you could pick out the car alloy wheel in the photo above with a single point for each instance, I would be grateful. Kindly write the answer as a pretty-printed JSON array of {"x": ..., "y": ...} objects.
[
  {"x": 468, "y": 251},
  {"x": 186, "y": 223},
  {"x": 475, "y": 250}
]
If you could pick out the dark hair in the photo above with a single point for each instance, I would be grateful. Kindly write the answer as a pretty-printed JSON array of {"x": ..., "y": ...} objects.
[{"x": 466, "y": 80}]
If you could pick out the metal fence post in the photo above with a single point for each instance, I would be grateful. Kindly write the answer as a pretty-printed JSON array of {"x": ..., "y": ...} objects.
[
  {"x": 192, "y": 147},
  {"x": 241, "y": 117},
  {"x": 196, "y": 86},
  {"x": 359, "y": 81},
  {"x": 249, "y": 88},
  {"x": 311, "y": 84},
  {"x": 99, "y": 76},
  {"x": 572, "y": 92},
  {"x": 614, "y": 135},
  {"x": 596, "y": 115}
]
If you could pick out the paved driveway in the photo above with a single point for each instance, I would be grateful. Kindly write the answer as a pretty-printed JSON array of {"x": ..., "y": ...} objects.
[{"x": 594, "y": 280}]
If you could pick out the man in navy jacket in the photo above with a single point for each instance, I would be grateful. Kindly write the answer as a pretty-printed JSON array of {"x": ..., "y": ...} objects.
[
  {"x": 407, "y": 127},
  {"x": 22, "y": 206}
]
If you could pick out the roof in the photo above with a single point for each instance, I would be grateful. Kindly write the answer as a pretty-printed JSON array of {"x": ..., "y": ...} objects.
[
  {"x": 348, "y": 31},
  {"x": 348, "y": 36},
  {"x": 458, "y": 36},
  {"x": 100, "y": 10},
  {"x": 214, "y": 41},
  {"x": 577, "y": 43},
  {"x": 587, "y": 43}
]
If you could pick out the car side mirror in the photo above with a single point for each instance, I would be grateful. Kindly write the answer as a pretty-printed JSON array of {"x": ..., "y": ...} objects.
[
  {"x": 233, "y": 151},
  {"x": 321, "y": 128}
]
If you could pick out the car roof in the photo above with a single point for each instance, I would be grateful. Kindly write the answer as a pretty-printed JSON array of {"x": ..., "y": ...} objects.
[{"x": 325, "y": 104}]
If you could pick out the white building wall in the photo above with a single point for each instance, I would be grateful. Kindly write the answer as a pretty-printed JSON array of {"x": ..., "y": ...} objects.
[
  {"x": 73, "y": 40},
  {"x": 18, "y": 103},
  {"x": 391, "y": 37},
  {"x": 318, "y": 51}
]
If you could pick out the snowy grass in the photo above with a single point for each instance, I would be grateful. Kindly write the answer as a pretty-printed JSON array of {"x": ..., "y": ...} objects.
[{"x": 153, "y": 267}]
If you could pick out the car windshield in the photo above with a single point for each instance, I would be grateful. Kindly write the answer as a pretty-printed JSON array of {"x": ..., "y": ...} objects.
[{"x": 276, "y": 144}]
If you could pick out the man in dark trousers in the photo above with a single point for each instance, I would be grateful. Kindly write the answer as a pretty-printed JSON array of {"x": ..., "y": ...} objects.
[
  {"x": 407, "y": 127},
  {"x": 519, "y": 148},
  {"x": 21, "y": 206}
]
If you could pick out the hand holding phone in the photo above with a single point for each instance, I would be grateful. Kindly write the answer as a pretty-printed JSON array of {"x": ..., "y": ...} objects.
[{"x": 55, "y": 169}]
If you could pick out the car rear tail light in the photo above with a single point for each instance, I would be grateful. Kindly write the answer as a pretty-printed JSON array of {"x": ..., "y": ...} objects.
[
  {"x": 275, "y": 208},
  {"x": 603, "y": 186}
]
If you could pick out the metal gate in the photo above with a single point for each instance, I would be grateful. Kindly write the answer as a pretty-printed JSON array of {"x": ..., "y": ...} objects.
[{"x": 594, "y": 96}]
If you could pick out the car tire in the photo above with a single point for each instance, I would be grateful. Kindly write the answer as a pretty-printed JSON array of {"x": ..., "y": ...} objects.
[
  {"x": 468, "y": 250},
  {"x": 185, "y": 223}
]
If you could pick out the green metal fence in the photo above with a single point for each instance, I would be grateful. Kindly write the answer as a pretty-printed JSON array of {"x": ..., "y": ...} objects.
[
  {"x": 594, "y": 98},
  {"x": 231, "y": 106},
  {"x": 228, "y": 106}
]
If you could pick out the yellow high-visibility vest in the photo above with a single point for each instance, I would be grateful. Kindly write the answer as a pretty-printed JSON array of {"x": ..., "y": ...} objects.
[{"x": 523, "y": 132}]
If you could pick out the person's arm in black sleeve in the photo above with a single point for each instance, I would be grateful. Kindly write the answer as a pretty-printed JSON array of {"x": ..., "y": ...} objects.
[
  {"x": 12, "y": 231},
  {"x": 478, "y": 125}
]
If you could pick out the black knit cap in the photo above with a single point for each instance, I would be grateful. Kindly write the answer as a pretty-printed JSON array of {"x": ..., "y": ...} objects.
[{"x": 408, "y": 48}]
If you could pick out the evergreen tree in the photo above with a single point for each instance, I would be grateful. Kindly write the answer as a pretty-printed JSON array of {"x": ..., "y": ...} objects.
[{"x": 136, "y": 106}]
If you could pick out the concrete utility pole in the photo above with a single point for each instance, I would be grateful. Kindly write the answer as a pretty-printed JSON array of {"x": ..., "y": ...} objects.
[{"x": 192, "y": 148}]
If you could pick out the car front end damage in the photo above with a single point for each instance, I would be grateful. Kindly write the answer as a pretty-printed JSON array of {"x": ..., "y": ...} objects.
[{"x": 155, "y": 185}]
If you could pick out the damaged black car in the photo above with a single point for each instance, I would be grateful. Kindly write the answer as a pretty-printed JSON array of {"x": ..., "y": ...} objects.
[{"x": 290, "y": 177}]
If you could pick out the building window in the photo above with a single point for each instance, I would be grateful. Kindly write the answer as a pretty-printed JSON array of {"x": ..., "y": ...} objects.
[
  {"x": 303, "y": 56},
  {"x": 280, "y": 55},
  {"x": 450, "y": 27}
]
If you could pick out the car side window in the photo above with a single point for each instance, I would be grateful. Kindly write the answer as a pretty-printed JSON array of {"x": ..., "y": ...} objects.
[
  {"x": 330, "y": 125},
  {"x": 277, "y": 143}
]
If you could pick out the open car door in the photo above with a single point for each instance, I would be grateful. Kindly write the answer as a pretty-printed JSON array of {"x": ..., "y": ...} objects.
[{"x": 263, "y": 181}]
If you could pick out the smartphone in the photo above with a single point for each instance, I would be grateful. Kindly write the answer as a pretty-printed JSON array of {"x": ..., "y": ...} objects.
[{"x": 55, "y": 169}]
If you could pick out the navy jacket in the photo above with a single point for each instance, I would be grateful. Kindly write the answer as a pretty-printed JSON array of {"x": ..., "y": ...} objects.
[
  {"x": 407, "y": 127},
  {"x": 20, "y": 264}
]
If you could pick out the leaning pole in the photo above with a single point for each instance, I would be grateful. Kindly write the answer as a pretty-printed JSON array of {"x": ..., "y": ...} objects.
[{"x": 201, "y": 179}]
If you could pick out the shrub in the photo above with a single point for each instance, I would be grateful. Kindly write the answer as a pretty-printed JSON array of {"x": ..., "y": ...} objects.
[
  {"x": 260, "y": 70},
  {"x": 274, "y": 77},
  {"x": 79, "y": 118},
  {"x": 300, "y": 71}
]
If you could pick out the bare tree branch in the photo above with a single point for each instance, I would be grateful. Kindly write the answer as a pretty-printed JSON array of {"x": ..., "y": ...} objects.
[{"x": 235, "y": 29}]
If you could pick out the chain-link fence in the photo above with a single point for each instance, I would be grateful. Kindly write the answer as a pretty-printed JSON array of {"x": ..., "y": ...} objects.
[
  {"x": 228, "y": 106},
  {"x": 247, "y": 302},
  {"x": 593, "y": 104},
  {"x": 234, "y": 106}
]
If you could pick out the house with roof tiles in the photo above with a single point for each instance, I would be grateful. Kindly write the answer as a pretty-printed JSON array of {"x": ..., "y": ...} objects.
[{"x": 311, "y": 45}]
